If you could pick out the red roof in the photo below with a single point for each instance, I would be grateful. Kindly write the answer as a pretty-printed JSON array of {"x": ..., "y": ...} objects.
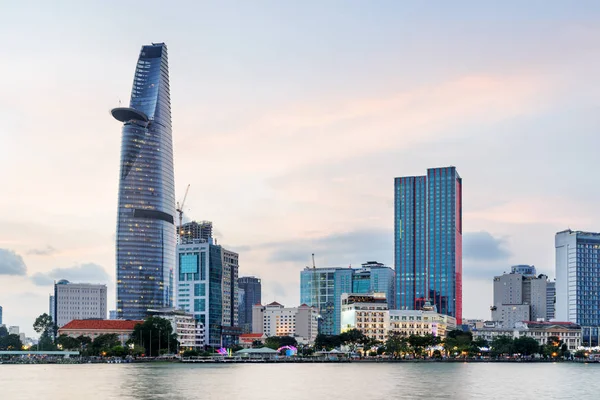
[
  {"x": 252, "y": 335},
  {"x": 275, "y": 304},
  {"x": 101, "y": 324}
]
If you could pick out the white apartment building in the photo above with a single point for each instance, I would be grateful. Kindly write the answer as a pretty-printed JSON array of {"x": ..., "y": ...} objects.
[
  {"x": 78, "y": 301},
  {"x": 190, "y": 334},
  {"x": 276, "y": 320},
  {"x": 420, "y": 322},
  {"x": 366, "y": 312}
]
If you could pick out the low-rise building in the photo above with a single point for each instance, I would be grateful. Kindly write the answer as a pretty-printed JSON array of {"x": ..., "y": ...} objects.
[
  {"x": 568, "y": 332},
  {"x": 420, "y": 322},
  {"x": 190, "y": 333},
  {"x": 367, "y": 313},
  {"x": 93, "y": 328},
  {"x": 276, "y": 320},
  {"x": 248, "y": 339}
]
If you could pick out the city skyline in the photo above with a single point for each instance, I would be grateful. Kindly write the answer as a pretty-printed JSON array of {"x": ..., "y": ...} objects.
[{"x": 291, "y": 141}]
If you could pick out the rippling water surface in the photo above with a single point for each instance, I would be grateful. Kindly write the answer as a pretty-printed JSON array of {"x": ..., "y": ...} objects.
[{"x": 301, "y": 381}]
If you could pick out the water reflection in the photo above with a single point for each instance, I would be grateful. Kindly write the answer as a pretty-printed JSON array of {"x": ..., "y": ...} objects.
[{"x": 300, "y": 381}]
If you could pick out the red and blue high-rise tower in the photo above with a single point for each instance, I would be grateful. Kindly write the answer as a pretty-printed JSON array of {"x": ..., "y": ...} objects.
[{"x": 428, "y": 241}]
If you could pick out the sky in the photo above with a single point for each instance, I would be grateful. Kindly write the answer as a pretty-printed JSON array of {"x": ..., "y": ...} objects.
[{"x": 290, "y": 121}]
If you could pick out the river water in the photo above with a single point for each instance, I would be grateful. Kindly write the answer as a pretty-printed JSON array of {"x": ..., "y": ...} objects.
[{"x": 364, "y": 381}]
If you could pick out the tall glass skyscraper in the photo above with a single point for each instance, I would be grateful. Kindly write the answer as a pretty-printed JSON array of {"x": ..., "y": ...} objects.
[
  {"x": 146, "y": 236},
  {"x": 578, "y": 283},
  {"x": 428, "y": 241}
]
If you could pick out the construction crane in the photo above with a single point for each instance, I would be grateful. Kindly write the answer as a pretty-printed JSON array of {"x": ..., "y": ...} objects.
[
  {"x": 316, "y": 286},
  {"x": 180, "y": 210}
]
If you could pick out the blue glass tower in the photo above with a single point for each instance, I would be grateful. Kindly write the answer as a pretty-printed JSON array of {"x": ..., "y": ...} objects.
[
  {"x": 145, "y": 248},
  {"x": 578, "y": 283},
  {"x": 323, "y": 288},
  {"x": 428, "y": 241}
]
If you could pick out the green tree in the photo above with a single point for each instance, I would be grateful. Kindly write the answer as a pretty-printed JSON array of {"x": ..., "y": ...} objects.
[
  {"x": 117, "y": 351},
  {"x": 67, "y": 343},
  {"x": 272, "y": 342},
  {"x": 10, "y": 342},
  {"x": 396, "y": 344},
  {"x": 581, "y": 354},
  {"x": 526, "y": 346},
  {"x": 327, "y": 342},
  {"x": 103, "y": 344},
  {"x": 155, "y": 334},
  {"x": 503, "y": 345},
  {"x": 458, "y": 341},
  {"x": 190, "y": 353},
  {"x": 420, "y": 343},
  {"x": 44, "y": 325},
  {"x": 84, "y": 341},
  {"x": 353, "y": 336}
]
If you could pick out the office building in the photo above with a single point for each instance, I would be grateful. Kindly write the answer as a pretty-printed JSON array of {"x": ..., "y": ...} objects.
[
  {"x": 13, "y": 330},
  {"x": 205, "y": 278},
  {"x": 146, "y": 234},
  {"x": 93, "y": 328},
  {"x": 550, "y": 300},
  {"x": 323, "y": 288},
  {"x": 230, "y": 325},
  {"x": 51, "y": 306},
  {"x": 112, "y": 314},
  {"x": 78, "y": 301},
  {"x": 519, "y": 297},
  {"x": 196, "y": 230},
  {"x": 577, "y": 283},
  {"x": 190, "y": 334},
  {"x": 276, "y": 320},
  {"x": 251, "y": 290},
  {"x": 428, "y": 241},
  {"x": 367, "y": 313}
]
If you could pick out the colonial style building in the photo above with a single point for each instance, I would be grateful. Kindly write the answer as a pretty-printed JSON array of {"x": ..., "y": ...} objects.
[{"x": 93, "y": 328}]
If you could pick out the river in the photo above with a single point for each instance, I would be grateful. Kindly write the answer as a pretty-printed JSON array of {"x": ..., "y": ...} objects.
[{"x": 360, "y": 381}]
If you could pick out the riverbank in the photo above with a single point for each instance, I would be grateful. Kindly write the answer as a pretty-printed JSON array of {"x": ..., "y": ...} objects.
[{"x": 289, "y": 360}]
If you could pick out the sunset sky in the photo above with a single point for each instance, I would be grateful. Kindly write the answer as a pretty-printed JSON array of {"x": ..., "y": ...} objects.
[{"x": 290, "y": 121}]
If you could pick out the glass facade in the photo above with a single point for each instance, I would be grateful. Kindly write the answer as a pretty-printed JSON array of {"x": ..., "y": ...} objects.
[
  {"x": 428, "y": 241},
  {"x": 323, "y": 288},
  {"x": 146, "y": 237},
  {"x": 578, "y": 282},
  {"x": 252, "y": 290}
]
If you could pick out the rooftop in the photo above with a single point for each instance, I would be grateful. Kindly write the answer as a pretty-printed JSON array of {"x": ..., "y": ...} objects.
[
  {"x": 101, "y": 324},
  {"x": 251, "y": 335}
]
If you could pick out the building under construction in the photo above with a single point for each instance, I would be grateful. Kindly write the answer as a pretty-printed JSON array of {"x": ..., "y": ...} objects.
[{"x": 195, "y": 230}]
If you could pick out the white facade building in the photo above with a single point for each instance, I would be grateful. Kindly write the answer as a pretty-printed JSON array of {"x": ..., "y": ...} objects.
[
  {"x": 78, "y": 301},
  {"x": 276, "y": 320},
  {"x": 568, "y": 332},
  {"x": 366, "y": 312},
  {"x": 190, "y": 334},
  {"x": 420, "y": 323}
]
